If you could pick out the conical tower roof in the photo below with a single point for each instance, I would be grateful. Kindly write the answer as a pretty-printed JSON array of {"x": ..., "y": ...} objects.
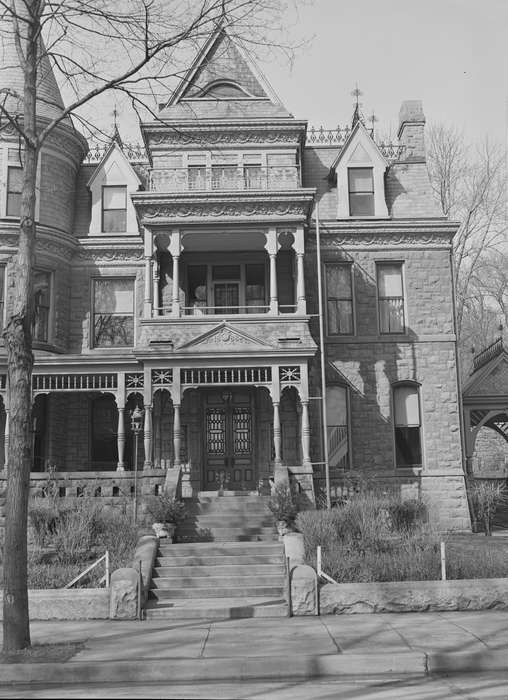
[{"x": 49, "y": 99}]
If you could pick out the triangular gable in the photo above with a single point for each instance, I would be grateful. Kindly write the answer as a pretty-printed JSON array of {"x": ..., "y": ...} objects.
[
  {"x": 223, "y": 60},
  {"x": 226, "y": 338},
  {"x": 360, "y": 144},
  {"x": 115, "y": 162},
  {"x": 489, "y": 380}
]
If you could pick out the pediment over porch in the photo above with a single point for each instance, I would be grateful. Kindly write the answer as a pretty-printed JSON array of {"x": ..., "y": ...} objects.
[
  {"x": 490, "y": 376},
  {"x": 227, "y": 338}
]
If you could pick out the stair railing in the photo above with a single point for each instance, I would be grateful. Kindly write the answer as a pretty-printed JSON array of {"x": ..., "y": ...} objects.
[
  {"x": 319, "y": 568},
  {"x": 104, "y": 579}
]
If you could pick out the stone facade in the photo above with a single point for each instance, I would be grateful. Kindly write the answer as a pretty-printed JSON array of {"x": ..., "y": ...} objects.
[{"x": 210, "y": 297}]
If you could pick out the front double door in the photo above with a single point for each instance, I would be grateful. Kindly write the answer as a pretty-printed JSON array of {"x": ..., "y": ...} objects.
[{"x": 229, "y": 440}]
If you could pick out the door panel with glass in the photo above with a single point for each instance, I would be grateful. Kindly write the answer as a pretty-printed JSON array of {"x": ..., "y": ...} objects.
[{"x": 229, "y": 441}]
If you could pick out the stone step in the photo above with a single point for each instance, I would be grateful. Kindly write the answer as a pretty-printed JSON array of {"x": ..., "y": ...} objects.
[
  {"x": 213, "y": 520},
  {"x": 224, "y": 549},
  {"x": 254, "y": 560},
  {"x": 178, "y": 581},
  {"x": 216, "y": 495},
  {"x": 276, "y": 591},
  {"x": 228, "y": 534},
  {"x": 227, "y": 506},
  {"x": 216, "y": 609},
  {"x": 205, "y": 571}
]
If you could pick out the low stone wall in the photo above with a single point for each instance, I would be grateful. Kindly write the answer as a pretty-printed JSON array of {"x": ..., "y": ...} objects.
[
  {"x": 414, "y": 596},
  {"x": 63, "y": 604}
]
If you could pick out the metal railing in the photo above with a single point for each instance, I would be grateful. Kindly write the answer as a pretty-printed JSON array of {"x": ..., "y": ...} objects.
[
  {"x": 220, "y": 179},
  {"x": 104, "y": 579},
  {"x": 493, "y": 350}
]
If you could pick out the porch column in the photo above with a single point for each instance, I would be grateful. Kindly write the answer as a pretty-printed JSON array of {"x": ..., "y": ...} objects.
[
  {"x": 298, "y": 245},
  {"x": 148, "y": 437},
  {"x": 155, "y": 282},
  {"x": 148, "y": 253},
  {"x": 175, "y": 248},
  {"x": 277, "y": 442},
  {"x": 177, "y": 435},
  {"x": 120, "y": 467},
  {"x": 272, "y": 247},
  {"x": 6, "y": 439},
  {"x": 305, "y": 432}
]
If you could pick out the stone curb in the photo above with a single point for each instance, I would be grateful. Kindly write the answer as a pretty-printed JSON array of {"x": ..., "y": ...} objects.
[{"x": 253, "y": 668}]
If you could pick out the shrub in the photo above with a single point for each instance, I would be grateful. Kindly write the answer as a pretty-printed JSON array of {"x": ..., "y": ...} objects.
[
  {"x": 485, "y": 497},
  {"x": 281, "y": 504},
  {"x": 76, "y": 533},
  {"x": 166, "y": 509},
  {"x": 43, "y": 518}
]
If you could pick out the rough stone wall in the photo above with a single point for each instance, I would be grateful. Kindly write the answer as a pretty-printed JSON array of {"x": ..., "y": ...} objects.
[
  {"x": 490, "y": 453},
  {"x": 57, "y": 192},
  {"x": 370, "y": 363}
]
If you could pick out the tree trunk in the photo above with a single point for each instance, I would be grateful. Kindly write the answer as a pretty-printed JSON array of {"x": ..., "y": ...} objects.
[{"x": 18, "y": 340}]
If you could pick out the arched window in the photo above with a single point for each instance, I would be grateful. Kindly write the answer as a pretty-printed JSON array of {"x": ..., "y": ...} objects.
[{"x": 407, "y": 425}]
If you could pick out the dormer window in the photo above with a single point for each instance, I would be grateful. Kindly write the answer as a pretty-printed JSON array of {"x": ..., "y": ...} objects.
[
  {"x": 114, "y": 208},
  {"x": 361, "y": 192},
  {"x": 359, "y": 171}
]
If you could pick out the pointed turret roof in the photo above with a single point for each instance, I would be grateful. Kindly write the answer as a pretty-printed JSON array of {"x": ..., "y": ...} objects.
[
  {"x": 225, "y": 82},
  {"x": 49, "y": 99}
]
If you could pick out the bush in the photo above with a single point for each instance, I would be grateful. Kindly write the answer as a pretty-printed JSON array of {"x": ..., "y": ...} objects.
[
  {"x": 282, "y": 505},
  {"x": 166, "y": 509},
  {"x": 485, "y": 498},
  {"x": 77, "y": 536}
]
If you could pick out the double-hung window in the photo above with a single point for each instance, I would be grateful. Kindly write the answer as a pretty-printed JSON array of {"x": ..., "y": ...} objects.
[
  {"x": 14, "y": 185},
  {"x": 114, "y": 208},
  {"x": 361, "y": 191},
  {"x": 42, "y": 302},
  {"x": 390, "y": 290},
  {"x": 407, "y": 425},
  {"x": 113, "y": 312},
  {"x": 339, "y": 298}
]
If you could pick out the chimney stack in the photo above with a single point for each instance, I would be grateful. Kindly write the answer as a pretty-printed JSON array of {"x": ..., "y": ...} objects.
[{"x": 411, "y": 130}]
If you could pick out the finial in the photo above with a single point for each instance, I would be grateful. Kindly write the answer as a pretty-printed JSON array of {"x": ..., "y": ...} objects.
[
  {"x": 373, "y": 119},
  {"x": 116, "y": 133},
  {"x": 357, "y": 115}
]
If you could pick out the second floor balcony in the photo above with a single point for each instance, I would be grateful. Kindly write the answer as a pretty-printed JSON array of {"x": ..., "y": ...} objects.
[{"x": 225, "y": 178}]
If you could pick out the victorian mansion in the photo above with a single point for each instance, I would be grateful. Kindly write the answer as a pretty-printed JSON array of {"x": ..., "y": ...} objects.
[{"x": 182, "y": 277}]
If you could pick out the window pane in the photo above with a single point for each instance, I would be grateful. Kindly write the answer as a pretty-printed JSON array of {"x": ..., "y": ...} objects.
[
  {"x": 197, "y": 177},
  {"x": 360, "y": 180},
  {"x": 114, "y": 221},
  {"x": 408, "y": 451},
  {"x": 112, "y": 330},
  {"x": 114, "y": 296},
  {"x": 338, "y": 281},
  {"x": 391, "y": 315},
  {"x": 114, "y": 197},
  {"x": 406, "y": 405},
  {"x": 226, "y": 296},
  {"x": 389, "y": 280},
  {"x": 340, "y": 317},
  {"x": 253, "y": 177},
  {"x": 13, "y": 204},
  {"x": 361, "y": 204},
  {"x": 280, "y": 159},
  {"x": 42, "y": 287}
]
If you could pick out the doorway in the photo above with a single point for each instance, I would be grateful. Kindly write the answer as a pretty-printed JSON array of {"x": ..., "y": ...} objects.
[{"x": 229, "y": 449}]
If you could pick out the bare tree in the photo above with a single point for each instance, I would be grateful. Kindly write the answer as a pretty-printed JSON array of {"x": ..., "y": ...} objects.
[
  {"x": 94, "y": 46},
  {"x": 471, "y": 184}
]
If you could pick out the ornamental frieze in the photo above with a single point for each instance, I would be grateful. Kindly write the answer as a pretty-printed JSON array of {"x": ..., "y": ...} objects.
[
  {"x": 230, "y": 138},
  {"x": 168, "y": 211},
  {"x": 408, "y": 238},
  {"x": 97, "y": 255}
]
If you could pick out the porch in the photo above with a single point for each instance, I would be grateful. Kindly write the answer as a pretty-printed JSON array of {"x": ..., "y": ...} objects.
[{"x": 225, "y": 428}]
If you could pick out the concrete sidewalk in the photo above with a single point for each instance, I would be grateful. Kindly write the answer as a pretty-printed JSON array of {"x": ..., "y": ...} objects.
[{"x": 303, "y": 647}]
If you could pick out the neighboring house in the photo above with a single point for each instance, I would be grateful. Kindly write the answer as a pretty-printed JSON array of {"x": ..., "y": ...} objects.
[{"x": 184, "y": 280}]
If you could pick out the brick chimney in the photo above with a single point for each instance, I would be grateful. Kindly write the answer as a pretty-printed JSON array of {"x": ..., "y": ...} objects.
[{"x": 411, "y": 128}]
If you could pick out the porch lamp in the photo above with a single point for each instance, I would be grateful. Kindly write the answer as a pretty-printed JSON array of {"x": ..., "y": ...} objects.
[{"x": 137, "y": 416}]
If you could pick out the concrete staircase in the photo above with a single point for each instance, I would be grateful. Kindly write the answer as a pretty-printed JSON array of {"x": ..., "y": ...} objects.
[{"x": 239, "y": 571}]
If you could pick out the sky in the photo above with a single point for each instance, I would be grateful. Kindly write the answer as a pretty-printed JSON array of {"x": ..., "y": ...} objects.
[{"x": 451, "y": 54}]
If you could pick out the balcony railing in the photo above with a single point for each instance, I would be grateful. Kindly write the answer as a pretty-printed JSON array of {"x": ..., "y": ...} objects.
[
  {"x": 220, "y": 179},
  {"x": 198, "y": 310}
]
